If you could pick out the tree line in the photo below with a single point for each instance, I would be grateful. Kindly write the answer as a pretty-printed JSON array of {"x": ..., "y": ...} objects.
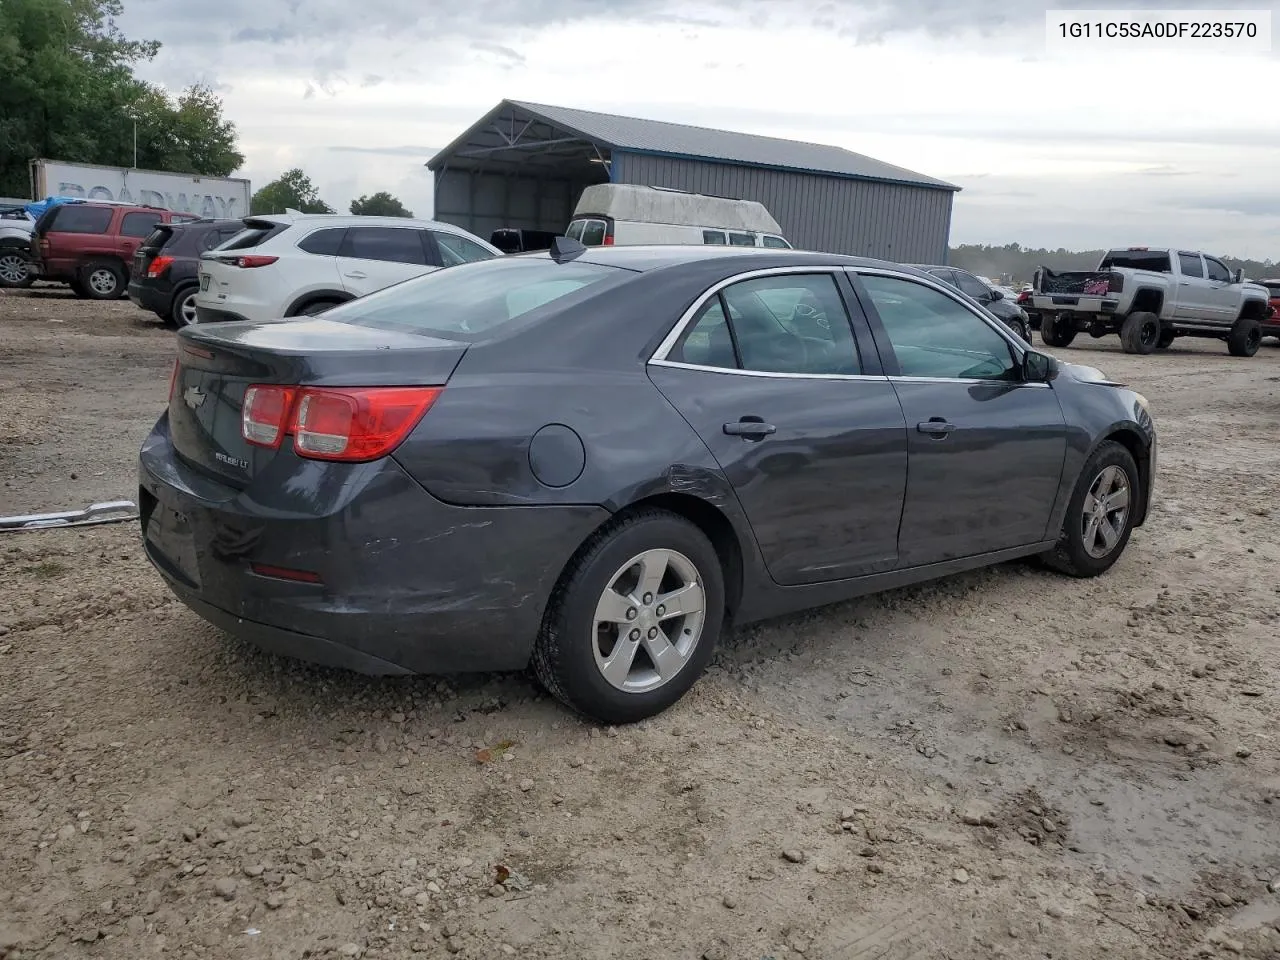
[{"x": 1019, "y": 263}]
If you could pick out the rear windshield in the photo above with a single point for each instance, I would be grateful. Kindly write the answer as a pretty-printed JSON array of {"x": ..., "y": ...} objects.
[
  {"x": 254, "y": 233},
  {"x": 474, "y": 300},
  {"x": 158, "y": 237},
  {"x": 1154, "y": 260}
]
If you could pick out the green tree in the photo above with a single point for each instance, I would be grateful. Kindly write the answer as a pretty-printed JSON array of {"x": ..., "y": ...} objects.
[
  {"x": 293, "y": 190},
  {"x": 381, "y": 204},
  {"x": 69, "y": 93}
]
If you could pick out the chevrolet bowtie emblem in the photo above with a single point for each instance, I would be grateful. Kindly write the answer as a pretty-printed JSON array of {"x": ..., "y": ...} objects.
[{"x": 193, "y": 397}]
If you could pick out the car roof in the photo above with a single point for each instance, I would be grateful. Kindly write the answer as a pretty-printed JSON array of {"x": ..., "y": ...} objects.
[
  {"x": 658, "y": 257},
  {"x": 353, "y": 220}
]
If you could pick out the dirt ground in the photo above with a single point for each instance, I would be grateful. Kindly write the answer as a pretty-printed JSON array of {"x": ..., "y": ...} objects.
[{"x": 1001, "y": 764}]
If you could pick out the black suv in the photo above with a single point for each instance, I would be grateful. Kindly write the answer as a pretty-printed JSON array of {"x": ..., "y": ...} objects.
[
  {"x": 163, "y": 278},
  {"x": 1006, "y": 311}
]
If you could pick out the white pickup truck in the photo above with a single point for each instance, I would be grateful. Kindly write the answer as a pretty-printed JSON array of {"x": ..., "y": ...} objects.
[{"x": 1149, "y": 296}]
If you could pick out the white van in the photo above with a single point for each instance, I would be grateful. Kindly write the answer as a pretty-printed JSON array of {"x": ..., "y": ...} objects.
[{"x": 624, "y": 214}]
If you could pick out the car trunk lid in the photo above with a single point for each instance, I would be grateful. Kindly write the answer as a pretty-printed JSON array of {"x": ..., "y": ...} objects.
[
  {"x": 218, "y": 363},
  {"x": 150, "y": 249}
]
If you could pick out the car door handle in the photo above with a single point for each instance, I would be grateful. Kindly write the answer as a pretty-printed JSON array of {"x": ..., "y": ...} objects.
[
  {"x": 357, "y": 275},
  {"x": 936, "y": 427},
  {"x": 750, "y": 428}
]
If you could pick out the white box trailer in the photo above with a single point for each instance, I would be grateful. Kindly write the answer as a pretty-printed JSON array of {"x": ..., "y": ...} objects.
[{"x": 216, "y": 197}]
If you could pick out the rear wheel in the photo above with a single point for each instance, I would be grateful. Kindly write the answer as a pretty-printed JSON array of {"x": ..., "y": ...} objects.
[
  {"x": 1100, "y": 515},
  {"x": 1245, "y": 337},
  {"x": 183, "y": 311},
  {"x": 102, "y": 281},
  {"x": 634, "y": 619},
  {"x": 1140, "y": 332},
  {"x": 1056, "y": 332},
  {"x": 1167, "y": 337},
  {"x": 15, "y": 270},
  {"x": 316, "y": 307}
]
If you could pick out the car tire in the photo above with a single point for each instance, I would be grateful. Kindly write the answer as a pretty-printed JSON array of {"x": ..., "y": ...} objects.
[
  {"x": 1140, "y": 332},
  {"x": 102, "y": 280},
  {"x": 1082, "y": 549},
  {"x": 586, "y": 654},
  {"x": 315, "y": 308},
  {"x": 1167, "y": 336},
  {"x": 182, "y": 310},
  {"x": 1055, "y": 332},
  {"x": 1245, "y": 338},
  {"x": 15, "y": 269}
]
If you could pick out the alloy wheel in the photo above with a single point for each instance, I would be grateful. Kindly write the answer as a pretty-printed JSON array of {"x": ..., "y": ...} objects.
[
  {"x": 648, "y": 621},
  {"x": 1106, "y": 511},
  {"x": 102, "y": 281},
  {"x": 13, "y": 268}
]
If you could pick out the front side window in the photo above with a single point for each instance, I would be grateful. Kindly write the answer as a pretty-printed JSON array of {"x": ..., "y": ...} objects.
[
  {"x": 936, "y": 336},
  {"x": 455, "y": 249},
  {"x": 793, "y": 323},
  {"x": 387, "y": 244},
  {"x": 778, "y": 242},
  {"x": 971, "y": 286},
  {"x": 1218, "y": 271},
  {"x": 714, "y": 237},
  {"x": 1190, "y": 266}
]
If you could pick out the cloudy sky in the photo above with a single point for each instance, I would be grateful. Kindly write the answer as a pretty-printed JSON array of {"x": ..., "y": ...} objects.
[{"x": 1078, "y": 147}]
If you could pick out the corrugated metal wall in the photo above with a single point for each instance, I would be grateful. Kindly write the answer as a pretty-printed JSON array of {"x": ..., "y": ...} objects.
[
  {"x": 483, "y": 202},
  {"x": 832, "y": 214}
]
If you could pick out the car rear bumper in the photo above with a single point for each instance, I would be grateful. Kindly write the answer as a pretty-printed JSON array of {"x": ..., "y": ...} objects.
[
  {"x": 149, "y": 297},
  {"x": 410, "y": 584},
  {"x": 210, "y": 315}
]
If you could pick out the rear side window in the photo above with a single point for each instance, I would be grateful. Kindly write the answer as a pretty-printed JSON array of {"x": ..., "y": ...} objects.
[
  {"x": 158, "y": 237},
  {"x": 1154, "y": 260},
  {"x": 324, "y": 243},
  {"x": 388, "y": 244},
  {"x": 139, "y": 224},
  {"x": 741, "y": 240},
  {"x": 778, "y": 242},
  {"x": 455, "y": 249},
  {"x": 713, "y": 237},
  {"x": 74, "y": 218},
  {"x": 1190, "y": 266},
  {"x": 470, "y": 301}
]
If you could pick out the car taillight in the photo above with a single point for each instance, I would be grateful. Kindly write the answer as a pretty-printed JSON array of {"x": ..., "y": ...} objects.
[
  {"x": 264, "y": 417},
  {"x": 1116, "y": 283},
  {"x": 357, "y": 424},
  {"x": 254, "y": 260},
  {"x": 608, "y": 239},
  {"x": 158, "y": 266}
]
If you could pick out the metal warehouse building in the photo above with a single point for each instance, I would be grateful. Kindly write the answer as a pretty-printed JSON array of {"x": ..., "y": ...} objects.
[{"x": 525, "y": 165}]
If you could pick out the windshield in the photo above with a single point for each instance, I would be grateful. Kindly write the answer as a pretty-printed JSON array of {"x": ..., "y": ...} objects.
[{"x": 477, "y": 298}]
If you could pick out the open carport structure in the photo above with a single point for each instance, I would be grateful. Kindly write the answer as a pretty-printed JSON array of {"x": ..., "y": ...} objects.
[{"x": 526, "y": 164}]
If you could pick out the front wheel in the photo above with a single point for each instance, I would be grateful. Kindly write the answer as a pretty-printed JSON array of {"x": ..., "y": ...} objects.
[
  {"x": 634, "y": 620},
  {"x": 1100, "y": 515},
  {"x": 1245, "y": 338},
  {"x": 15, "y": 270}
]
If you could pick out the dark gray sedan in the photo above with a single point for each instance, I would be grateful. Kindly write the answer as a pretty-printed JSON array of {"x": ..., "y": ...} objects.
[{"x": 593, "y": 461}]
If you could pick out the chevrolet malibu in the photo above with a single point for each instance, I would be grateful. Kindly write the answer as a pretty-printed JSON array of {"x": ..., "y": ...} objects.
[{"x": 593, "y": 461}]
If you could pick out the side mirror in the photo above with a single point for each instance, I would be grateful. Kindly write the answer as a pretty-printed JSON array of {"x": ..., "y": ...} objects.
[
  {"x": 997, "y": 295},
  {"x": 1038, "y": 367},
  {"x": 1238, "y": 277}
]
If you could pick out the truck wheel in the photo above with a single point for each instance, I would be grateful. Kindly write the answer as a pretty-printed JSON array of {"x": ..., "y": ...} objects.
[
  {"x": 1166, "y": 339},
  {"x": 1244, "y": 338},
  {"x": 1140, "y": 332},
  {"x": 1055, "y": 332},
  {"x": 102, "y": 281}
]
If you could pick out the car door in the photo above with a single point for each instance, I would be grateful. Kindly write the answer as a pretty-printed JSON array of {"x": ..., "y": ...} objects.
[
  {"x": 796, "y": 410},
  {"x": 1222, "y": 297},
  {"x": 1193, "y": 288},
  {"x": 985, "y": 450},
  {"x": 371, "y": 258}
]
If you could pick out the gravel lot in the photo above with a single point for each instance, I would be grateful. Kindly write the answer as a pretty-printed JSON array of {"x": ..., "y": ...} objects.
[{"x": 1002, "y": 764}]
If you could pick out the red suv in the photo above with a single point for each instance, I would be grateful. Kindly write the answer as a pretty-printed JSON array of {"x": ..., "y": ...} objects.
[
  {"x": 91, "y": 245},
  {"x": 1271, "y": 323}
]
